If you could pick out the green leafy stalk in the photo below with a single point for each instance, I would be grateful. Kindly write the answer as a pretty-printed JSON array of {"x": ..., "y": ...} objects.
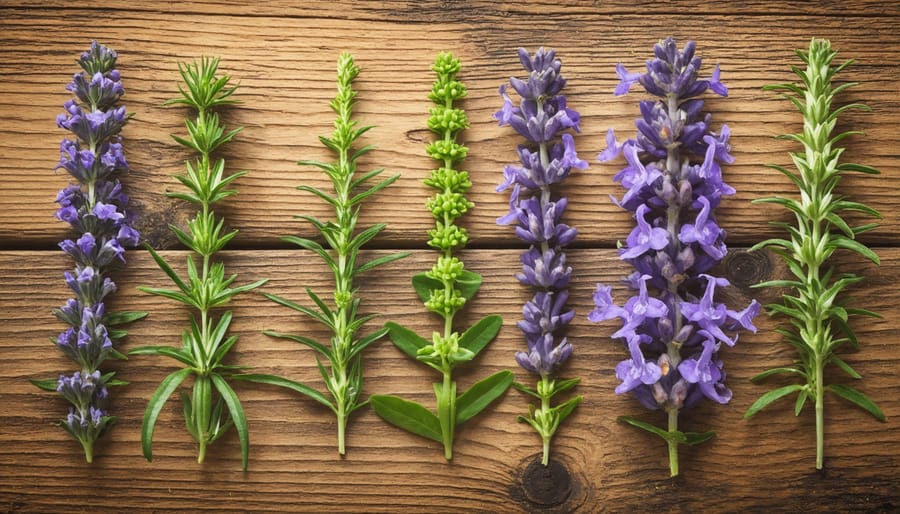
[
  {"x": 344, "y": 374},
  {"x": 818, "y": 312},
  {"x": 212, "y": 407},
  {"x": 447, "y": 287},
  {"x": 546, "y": 418}
]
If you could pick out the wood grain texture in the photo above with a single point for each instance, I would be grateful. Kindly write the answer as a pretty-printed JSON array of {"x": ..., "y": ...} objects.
[
  {"x": 283, "y": 54},
  {"x": 286, "y": 65},
  {"x": 294, "y": 464}
]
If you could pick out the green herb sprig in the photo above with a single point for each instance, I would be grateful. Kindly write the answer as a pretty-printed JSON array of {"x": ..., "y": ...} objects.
[
  {"x": 447, "y": 287},
  {"x": 344, "y": 375},
  {"x": 213, "y": 406},
  {"x": 817, "y": 310}
]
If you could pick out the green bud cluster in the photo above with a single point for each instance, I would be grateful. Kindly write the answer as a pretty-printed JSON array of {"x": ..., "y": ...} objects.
[
  {"x": 445, "y": 301},
  {"x": 446, "y": 86},
  {"x": 448, "y": 204},
  {"x": 446, "y": 151},
  {"x": 448, "y": 178},
  {"x": 445, "y": 237},
  {"x": 447, "y": 119},
  {"x": 446, "y": 269},
  {"x": 444, "y": 352}
]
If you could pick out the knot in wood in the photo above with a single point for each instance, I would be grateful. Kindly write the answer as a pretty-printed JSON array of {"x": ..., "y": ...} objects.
[
  {"x": 744, "y": 269},
  {"x": 546, "y": 486}
]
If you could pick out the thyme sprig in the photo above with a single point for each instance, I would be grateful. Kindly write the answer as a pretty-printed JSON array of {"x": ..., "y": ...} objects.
[
  {"x": 213, "y": 406},
  {"x": 344, "y": 374},
  {"x": 447, "y": 287},
  {"x": 818, "y": 311}
]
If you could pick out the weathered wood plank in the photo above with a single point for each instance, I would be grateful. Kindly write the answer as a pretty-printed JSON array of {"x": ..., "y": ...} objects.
[
  {"x": 765, "y": 463},
  {"x": 285, "y": 66},
  {"x": 432, "y": 11}
]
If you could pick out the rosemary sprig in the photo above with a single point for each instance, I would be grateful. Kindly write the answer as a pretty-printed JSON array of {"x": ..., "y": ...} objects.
[
  {"x": 818, "y": 312},
  {"x": 447, "y": 287},
  {"x": 213, "y": 406},
  {"x": 344, "y": 374}
]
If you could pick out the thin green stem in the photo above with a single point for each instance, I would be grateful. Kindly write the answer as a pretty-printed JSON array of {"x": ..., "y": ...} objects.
[
  {"x": 546, "y": 435},
  {"x": 447, "y": 413},
  {"x": 88, "y": 446},
  {"x": 342, "y": 426},
  {"x": 201, "y": 453},
  {"x": 820, "y": 412},
  {"x": 673, "y": 445}
]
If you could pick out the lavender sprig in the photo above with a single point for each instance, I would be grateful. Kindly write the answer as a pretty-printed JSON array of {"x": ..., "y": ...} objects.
[
  {"x": 818, "y": 312},
  {"x": 96, "y": 208},
  {"x": 673, "y": 327},
  {"x": 213, "y": 406},
  {"x": 447, "y": 287},
  {"x": 540, "y": 117}
]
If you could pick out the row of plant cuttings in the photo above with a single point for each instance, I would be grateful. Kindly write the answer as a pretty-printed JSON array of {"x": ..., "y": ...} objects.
[{"x": 672, "y": 326}]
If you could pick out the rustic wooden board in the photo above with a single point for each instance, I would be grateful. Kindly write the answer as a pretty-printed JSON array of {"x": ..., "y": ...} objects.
[
  {"x": 286, "y": 67},
  {"x": 283, "y": 55},
  {"x": 766, "y": 462}
]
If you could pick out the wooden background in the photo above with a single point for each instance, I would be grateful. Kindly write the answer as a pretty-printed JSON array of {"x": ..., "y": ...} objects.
[{"x": 283, "y": 54}]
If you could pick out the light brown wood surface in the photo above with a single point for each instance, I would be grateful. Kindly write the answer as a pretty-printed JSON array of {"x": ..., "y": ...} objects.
[{"x": 283, "y": 54}]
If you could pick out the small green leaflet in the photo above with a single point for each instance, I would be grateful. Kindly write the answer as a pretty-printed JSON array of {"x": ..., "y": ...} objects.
[{"x": 407, "y": 415}]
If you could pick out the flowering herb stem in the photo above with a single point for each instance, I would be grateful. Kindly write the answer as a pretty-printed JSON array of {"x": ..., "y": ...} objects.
[
  {"x": 97, "y": 210},
  {"x": 447, "y": 287},
  {"x": 213, "y": 406},
  {"x": 540, "y": 117},
  {"x": 673, "y": 327},
  {"x": 343, "y": 379},
  {"x": 819, "y": 315}
]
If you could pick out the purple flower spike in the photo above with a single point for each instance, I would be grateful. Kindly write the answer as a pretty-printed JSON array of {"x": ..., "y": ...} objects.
[
  {"x": 541, "y": 117},
  {"x": 97, "y": 211},
  {"x": 673, "y": 182}
]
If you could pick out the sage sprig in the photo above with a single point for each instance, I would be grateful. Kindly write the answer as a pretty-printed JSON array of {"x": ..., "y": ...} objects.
[
  {"x": 96, "y": 208},
  {"x": 447, "y": 287},
  {"x": 344, "y": 374},
  {"x": 213, "y": 406},
  {"x": 818, "y": 310}
]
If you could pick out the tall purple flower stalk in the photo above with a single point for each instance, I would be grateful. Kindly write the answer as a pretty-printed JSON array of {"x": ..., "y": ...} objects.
[
  {"x": 673, "y": 327},
  {"x": 95, "y": 207},
  {"x": 541, "y": 117}
]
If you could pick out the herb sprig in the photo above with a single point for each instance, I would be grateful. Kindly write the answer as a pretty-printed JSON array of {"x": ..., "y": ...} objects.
[
  {"x": 672, "y": 326},
  {"x": 447, "y": 287},
  {"x": 96, "y": 208},
  {"x": 344, "y": 375},
  {"x": 818, "y": 311},
  {"x": 213, "y": 406},
  {"x": 540, "y": 117}
]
